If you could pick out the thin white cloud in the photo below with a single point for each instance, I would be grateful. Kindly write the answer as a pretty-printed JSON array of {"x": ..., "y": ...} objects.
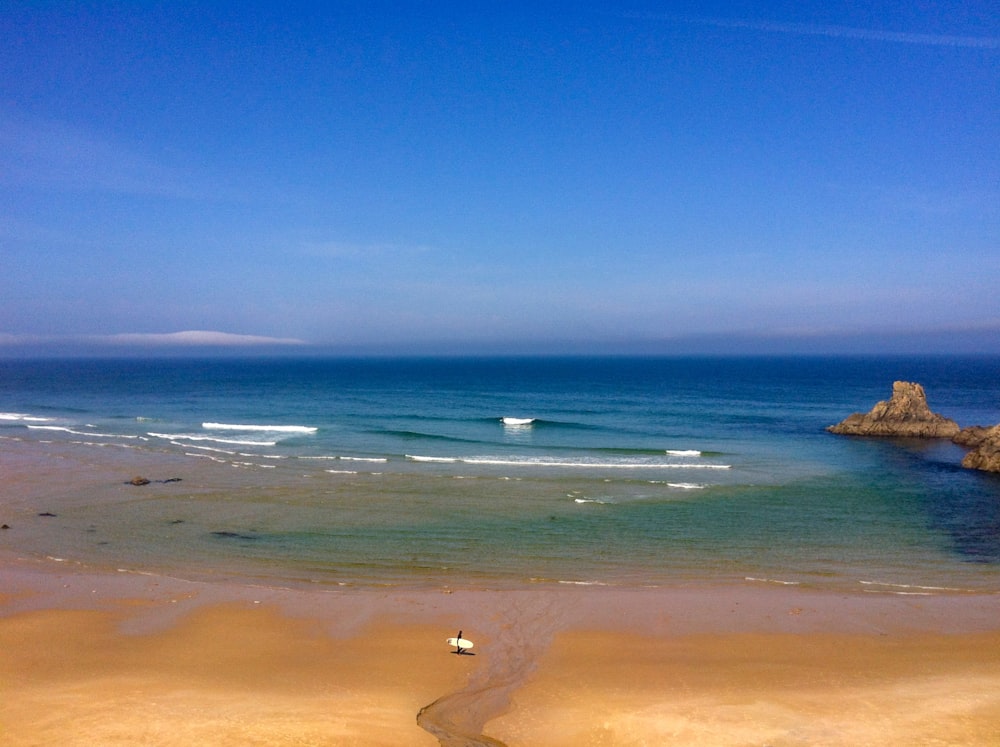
[
  {"x": 840, "y": 32},
  {"x": 195, "y": 337},
  {"x": 189, "y": 338},
  {"x": 51, "y": 153}
]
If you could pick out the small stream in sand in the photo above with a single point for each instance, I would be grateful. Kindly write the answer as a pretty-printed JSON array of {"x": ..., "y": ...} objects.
[{"x": 521, "y": 634}]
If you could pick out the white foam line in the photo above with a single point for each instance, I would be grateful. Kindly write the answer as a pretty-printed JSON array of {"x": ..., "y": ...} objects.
[
  {"x": 488, "y": 461},
  {"x": 191, "y": 437},
  {"x": 771, "y": 581},
  {"x": 19, "y": 416},
  {"x": 78, "y": 433},
  {"x": 584, "y": 583},
  {"x": 266, "y": 428},
  {"x": 341, "y": 471},
  {"x": 205, "y": 448},
  {"x": 103, "y": 445},
  {"x": 910, "y": 586},
  {"x": 684, "y": 452},
  {"x": 204, "y": 456}
]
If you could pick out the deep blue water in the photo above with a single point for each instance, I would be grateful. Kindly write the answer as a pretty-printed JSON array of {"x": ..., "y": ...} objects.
[{"x": 631, "y": 471}]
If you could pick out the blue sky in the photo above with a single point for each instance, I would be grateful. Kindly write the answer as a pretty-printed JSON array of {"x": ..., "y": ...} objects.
[{"x": 365, "y": 177}]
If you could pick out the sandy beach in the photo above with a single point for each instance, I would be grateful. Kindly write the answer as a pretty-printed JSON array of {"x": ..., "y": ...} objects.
[{"x": 97, "y": 658}]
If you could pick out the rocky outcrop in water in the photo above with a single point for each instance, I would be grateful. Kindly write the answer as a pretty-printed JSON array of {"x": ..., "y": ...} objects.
[
  {"x": 906, "y": 414},
  {"x": 972, "y": 436},
  {"x": 985, "y": 444},
  {"x": 146, "y": 481}
]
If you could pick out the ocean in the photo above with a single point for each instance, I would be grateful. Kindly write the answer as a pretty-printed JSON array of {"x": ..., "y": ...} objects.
[{"x": 498, "y": 472}]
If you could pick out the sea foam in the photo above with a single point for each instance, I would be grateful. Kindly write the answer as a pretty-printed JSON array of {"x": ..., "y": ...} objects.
[
  {"x": 778, "y": 581},
  {"x": 265, "y": 428},
  {"x": 917, "y": 589},
  {"x": 63, "y": 429},
  {"x": 555, "y": 462},
  {"x": 195, "y": 437}
]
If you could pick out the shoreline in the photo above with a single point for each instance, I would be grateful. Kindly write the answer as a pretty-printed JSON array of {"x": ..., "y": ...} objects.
[
  {"x": 729, "y": 605},
  {"x": 94, "y": 657}
]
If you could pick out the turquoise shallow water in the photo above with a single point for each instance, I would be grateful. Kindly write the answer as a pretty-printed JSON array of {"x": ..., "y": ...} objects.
[{"x": 627, "y": 471}]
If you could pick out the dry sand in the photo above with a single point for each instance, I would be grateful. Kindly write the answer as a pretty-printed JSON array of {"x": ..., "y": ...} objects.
[
  {"x": 601, "y": 688},
  {"x": 104, "y": 659}
]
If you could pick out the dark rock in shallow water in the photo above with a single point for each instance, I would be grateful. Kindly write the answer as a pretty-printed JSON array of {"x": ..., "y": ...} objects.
[
  {"x": 5, "y": 526},
  {"x": 986, "y": 452},
  {"x": 47, "y": 513},
  {"x": 906, "y": 414},
  {"x": 138, "y": 481},
  {"x": 234, "y": 535}
]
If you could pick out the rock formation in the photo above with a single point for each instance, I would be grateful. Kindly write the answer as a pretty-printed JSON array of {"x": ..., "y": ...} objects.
[
  {"x": 906, "y": 414},
  {"x": 972, "y": 436},
  {"x": 985, "y": 454},
  {"x": 145, "y": 480}
]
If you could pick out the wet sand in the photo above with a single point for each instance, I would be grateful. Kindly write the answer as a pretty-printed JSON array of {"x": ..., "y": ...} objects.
[{"x": 97, "y": 658}]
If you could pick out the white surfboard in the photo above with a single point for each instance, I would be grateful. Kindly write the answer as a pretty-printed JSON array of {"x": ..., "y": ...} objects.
[{"x": 462, "y": 643}]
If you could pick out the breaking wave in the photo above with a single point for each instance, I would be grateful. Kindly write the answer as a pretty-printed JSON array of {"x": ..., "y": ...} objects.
[
  {"x": 22, "y": 417},
  {"x": 265, "y": 428}
]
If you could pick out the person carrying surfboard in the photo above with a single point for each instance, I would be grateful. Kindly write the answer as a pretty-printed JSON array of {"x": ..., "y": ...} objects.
[{"x": 461, "y": 645}]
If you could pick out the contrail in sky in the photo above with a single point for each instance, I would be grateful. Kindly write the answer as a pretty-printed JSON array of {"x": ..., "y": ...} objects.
[{"x": 840, "y": 32}]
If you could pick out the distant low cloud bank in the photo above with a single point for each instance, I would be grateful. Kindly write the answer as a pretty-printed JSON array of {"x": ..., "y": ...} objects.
[
  {"x": 193, "y": 337},
  {"x": 187, "y": 338}
]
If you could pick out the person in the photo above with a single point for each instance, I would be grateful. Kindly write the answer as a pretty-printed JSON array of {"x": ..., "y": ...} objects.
[{"x": 458, "y": 640}]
